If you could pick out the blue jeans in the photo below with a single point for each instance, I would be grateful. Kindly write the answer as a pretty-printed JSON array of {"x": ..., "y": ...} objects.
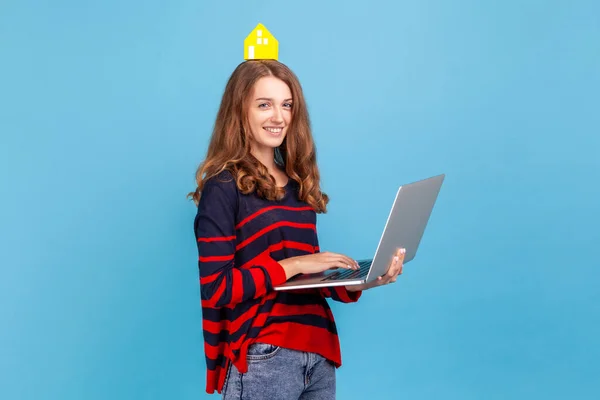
[{"x": 276, "y": 373}]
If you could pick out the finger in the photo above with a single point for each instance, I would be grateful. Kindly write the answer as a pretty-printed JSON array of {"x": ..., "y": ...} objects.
[
  {"x": 397, "y": 272},
  {"x": 342, "y": 264},
  {"x": 401, "y": 261},
  {"x": 384, "y": 279},
  {"x": 350, "y": 263},
  {"x": 393, "y": 269},
  {"x": 327, "y": 265},
  {"x": 399, "y": 266},
  {"x": 398, "y": 262},
  {"x": 402, "y": 252},
  {"x": 388, "y": 278}
]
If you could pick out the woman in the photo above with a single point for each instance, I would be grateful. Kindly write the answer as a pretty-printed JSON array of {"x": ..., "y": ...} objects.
[{"x": 258, "y": 194}]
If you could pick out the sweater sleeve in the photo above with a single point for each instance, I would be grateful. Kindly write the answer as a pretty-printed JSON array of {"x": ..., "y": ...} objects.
[
  {"x": 340, "y": 293},
  {"x": 222, "y": 282}
]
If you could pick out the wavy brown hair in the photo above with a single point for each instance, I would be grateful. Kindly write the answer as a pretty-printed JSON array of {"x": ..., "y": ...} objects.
[{"x": 229, "y": 147}]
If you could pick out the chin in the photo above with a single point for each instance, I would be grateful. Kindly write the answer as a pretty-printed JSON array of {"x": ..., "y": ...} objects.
[{"x": 273, "y": 142}]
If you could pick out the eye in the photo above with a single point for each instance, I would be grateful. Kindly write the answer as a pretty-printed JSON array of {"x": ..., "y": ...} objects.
[
  {"x": 287, "y": 105},
  {"x": 263, "y": 105}
]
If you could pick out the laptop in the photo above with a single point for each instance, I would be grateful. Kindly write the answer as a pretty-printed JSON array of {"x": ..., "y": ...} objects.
[{"x": 405, "y": 226}]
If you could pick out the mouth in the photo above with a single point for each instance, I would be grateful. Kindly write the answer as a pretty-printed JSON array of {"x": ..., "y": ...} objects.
[{"x": 274, "y": 131}]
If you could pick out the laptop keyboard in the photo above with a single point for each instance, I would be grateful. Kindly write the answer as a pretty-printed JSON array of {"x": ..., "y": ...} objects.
[{"x": 349, "y": 273}]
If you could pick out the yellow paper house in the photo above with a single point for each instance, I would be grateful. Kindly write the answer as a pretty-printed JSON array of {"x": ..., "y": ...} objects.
[{"x": 261, "y": 45}]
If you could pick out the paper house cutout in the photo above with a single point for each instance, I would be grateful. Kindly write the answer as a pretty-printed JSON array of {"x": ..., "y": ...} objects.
[{"x": 261, "y": 45}]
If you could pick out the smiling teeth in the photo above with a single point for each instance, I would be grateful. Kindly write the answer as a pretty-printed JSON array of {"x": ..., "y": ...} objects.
[{"x": 274, "y": 130}]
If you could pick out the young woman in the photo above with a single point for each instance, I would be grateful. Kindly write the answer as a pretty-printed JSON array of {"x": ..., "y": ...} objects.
[{"x": 258, "y": 193}]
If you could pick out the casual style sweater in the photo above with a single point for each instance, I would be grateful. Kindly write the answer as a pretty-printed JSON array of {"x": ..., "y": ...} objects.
[{"x": 240, "y": 240}]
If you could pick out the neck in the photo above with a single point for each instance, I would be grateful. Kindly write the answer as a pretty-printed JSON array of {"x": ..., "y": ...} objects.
[{"x": 266, "y": 156}]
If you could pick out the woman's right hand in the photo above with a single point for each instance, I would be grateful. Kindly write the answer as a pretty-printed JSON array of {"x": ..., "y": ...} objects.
[{"x": 315, "y": 263}]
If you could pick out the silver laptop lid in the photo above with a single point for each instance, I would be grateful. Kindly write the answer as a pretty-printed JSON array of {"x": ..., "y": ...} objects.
[{"x": 406, "y": 222}]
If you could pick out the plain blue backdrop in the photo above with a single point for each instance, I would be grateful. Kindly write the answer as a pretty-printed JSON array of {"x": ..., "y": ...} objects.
[{"x": 106, "y": 110}]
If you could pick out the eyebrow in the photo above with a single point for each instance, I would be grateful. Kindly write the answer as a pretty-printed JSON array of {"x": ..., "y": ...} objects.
[{"x": 268, "y": 99}]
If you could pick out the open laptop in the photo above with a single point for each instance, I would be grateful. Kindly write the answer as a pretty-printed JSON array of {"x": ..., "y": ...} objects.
[{"x": 404, "y": 228}]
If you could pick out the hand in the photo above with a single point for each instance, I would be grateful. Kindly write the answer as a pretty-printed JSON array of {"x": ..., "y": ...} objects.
[
  {"x": 390, "y": 276},
  {"x": 315, "y": 263}
]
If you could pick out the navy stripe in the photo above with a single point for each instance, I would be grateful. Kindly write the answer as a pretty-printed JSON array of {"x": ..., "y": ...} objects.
[
  {"x": 260, "y": 244},
  {"x": 275, "y": 215},
  {"x": 282, "y": 254},
  {"x": 213, "y": 364},
  {"x": 214, "y": 267},
  {"x": 224, "y": 335},
  {"x": 218, "y": 249},
  {"x": 227, "y": 314},
  {"x": 306, "y": 319},
  {"x": 287, "y": 232},
  {"x": 301, "y": 299}
]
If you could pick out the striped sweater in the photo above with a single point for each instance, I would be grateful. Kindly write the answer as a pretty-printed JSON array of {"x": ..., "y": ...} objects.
[{"x": 240, "y": 240}]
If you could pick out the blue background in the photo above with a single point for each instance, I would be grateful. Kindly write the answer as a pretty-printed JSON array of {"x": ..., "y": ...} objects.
[{"x": 106, "y": 109}]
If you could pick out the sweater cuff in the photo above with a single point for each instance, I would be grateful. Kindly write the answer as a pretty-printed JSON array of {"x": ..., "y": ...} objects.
[
  {"x": 345, "y": 296},
  {"x": 274, "y": 270}
]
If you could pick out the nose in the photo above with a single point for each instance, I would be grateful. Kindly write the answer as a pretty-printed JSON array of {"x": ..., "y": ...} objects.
[{"x": 277, "y": 115}]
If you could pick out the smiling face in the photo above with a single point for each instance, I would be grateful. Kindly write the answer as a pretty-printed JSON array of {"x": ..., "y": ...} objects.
[{"x": 269, "y": 115}]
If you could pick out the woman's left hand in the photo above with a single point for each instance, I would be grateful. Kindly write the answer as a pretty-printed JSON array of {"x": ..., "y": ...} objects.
[{"x": 390, "y": 276}]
